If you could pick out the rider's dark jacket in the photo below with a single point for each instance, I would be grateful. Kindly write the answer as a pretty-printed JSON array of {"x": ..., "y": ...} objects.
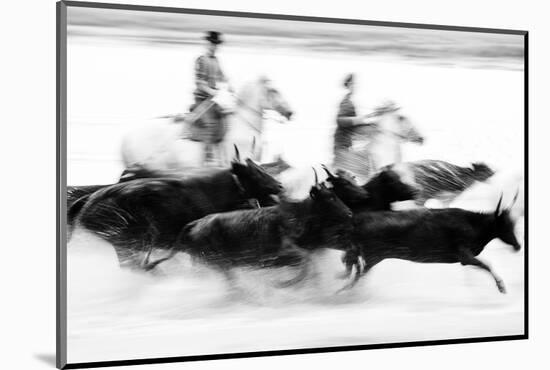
[
  {"x": 344, "y": 130},
  {"x": 207, "y": 70}
]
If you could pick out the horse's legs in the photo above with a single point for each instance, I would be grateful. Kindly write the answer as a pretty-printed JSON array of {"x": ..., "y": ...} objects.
[
  {"x": 220, "y": 154},
  {"x": 208, "y": 154},
  {"x": 373, "y": 159},
  {"x": 398, "y": 155},
  {"x": 467, "y": 258}
]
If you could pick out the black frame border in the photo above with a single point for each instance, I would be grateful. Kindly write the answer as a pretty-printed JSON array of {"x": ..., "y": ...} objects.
[{"x": 61, "y": 185}]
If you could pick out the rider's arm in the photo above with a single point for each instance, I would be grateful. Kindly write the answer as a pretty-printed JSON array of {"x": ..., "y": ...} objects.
[
  {"x": 203, "y": 86},
  {"x": 344, "y": 121},
  {"x": 346, "y": 114}
]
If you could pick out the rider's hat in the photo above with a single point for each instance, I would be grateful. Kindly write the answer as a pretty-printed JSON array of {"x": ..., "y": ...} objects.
[{"x": 214, "y": 37}]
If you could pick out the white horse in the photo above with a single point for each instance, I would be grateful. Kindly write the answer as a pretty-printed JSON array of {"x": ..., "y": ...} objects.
[
  {"x": 162, "y": 145},
  {"x": 379, "y": 144},
  {"x": 375, "y": 146}
]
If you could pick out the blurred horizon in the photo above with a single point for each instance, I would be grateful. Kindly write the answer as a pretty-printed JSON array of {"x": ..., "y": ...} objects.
[{"x": 421, "y": 46}]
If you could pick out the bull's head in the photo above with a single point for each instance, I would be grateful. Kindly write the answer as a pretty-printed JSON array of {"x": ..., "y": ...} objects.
[
  {"x": 326, "y": 202},
  {"x": 255, "y": 181},
  {"x": 349, "y": 192},
  {"x": 505, "y": 225},
  {"x": 388, "y": 186}
]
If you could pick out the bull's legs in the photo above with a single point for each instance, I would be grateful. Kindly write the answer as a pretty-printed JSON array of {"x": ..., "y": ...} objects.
[
  {"x": 127, "y": 258},
  {"x": 294, "y": 252},
  {"x": 345, "y": 274},
  {"x": 304, "y": 271},
  {"x": 145, "y": 261},
  {"x": 351, "y": 284},
  {"x": 368, "y": 264},
  {"x": 151, "y": 265},
  {"x": 350, "y": 259},
  {"x": 467, "y": 258},
  {"x": 148, "y": 243},
  {"x": 225, "y": 268},
  {"x": 147, "y": 264}
]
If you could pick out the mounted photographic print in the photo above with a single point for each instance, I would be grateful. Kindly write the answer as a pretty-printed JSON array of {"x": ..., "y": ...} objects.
[{"x": 239, "y": 184}]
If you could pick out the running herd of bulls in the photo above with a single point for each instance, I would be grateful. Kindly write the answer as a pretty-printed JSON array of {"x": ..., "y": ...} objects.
[{"x": 241, "y": 216}]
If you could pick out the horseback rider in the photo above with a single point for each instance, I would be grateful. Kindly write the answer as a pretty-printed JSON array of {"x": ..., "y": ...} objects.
[
  {"x": 349, "y": 124},
  {"x": 209, "y": 122}
]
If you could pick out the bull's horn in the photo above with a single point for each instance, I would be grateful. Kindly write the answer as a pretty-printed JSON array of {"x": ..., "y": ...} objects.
[
  {"x": 515, "y": 198},
  {"x": 237, "y": 154},
  {"x": 327, "y": 171},
  {"x": 316, "y": 177},
  {"x": 497, "y": 211}
]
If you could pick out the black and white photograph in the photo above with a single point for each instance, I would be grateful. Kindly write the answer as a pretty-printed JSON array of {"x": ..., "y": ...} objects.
[{"x": 238, "y": 183}]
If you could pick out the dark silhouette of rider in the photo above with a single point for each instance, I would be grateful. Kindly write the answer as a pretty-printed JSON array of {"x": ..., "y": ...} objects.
[
  {"x": 208, "y": 78},
  {"x": 347, "y": 122}
]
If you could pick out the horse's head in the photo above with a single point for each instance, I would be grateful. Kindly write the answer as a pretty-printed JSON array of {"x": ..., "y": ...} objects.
[
  {"x": 408, "y": 131},
  {"x": 259, "y": 95},
  {"x": 273, "y": 99},
  {"x": 255, "y": 181},
  {"x": 392, "y": 120},
  {"x": 276, "y": 102}
]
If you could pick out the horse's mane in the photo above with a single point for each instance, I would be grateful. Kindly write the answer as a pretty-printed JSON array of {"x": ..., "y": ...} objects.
[
  {"x": 384, "y": 108},
  {"x": 250, "y": 88}
]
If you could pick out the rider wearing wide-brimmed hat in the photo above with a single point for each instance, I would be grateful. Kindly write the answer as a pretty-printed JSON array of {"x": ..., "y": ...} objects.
[
  {"x": 209, "y": 77},
  {"x": 208, "y": 74}
]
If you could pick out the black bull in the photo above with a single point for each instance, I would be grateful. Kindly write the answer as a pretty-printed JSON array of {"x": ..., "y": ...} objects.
[
  {"x": 377, "y": 194},
  {"x": 81, "y": 193},
  {"x": 448, "y": 235},
  {"x": 142, "y": 214},
  {"x": 423, "y": 235},
  {"x": 282, "y": 235}
]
